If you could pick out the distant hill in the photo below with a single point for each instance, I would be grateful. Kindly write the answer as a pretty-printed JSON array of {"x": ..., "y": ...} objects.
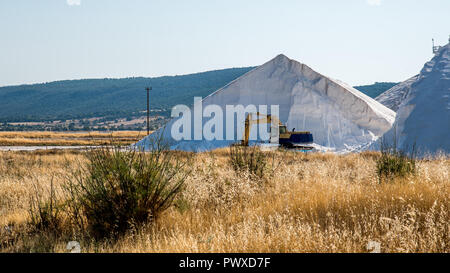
[
  {"x": 118, "y": 98},
  {"x": 107, "y": 97},
  {"x": 374, "y": 90}
]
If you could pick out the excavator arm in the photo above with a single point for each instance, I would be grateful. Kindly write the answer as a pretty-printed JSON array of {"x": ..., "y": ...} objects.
[
  {"x": 261, "y": 119},
  {"x": 286, "y": 138}
]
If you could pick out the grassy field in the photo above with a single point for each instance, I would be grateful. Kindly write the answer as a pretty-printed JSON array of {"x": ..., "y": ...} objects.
[
  {"x": 40, "y": 138},
  {"x": 304, "y": 203}
]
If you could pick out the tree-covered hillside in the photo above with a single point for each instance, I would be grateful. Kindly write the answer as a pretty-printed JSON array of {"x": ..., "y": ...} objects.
[
  {"x": 107, "y": 97},
  {"x": 374, "y": 90},
  {"x": 118, "y": 98}
]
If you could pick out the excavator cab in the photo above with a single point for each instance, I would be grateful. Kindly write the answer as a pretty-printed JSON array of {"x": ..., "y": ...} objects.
[{"x": 300, "y": 140}]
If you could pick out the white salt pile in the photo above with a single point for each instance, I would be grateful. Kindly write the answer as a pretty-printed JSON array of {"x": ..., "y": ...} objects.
[
  {"x": 340, "y": 117},
  {"x": 393, "y": 97},
  {"x": 423, "y": 117}
]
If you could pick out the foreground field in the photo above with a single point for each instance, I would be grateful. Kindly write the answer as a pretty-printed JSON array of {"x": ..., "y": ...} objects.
[
  {"x": 41, "y": 138},
  {"x": 305, "y": 203}
]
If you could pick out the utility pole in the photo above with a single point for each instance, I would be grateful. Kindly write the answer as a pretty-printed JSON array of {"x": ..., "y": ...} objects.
[{"x": 148, "y": 109}]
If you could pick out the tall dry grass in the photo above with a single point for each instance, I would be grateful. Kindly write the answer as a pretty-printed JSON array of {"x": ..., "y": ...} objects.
[{"x": 306, "y": 203}]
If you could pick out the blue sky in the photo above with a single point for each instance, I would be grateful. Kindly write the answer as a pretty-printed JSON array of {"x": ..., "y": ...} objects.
[{"x": 356, "y": 41}]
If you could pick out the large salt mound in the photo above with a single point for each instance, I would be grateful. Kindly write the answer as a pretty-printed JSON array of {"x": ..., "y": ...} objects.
[
  {"x": 393, "y": 97},
  {"x": 339, "y": 116},
  {"x": 423, "y": 118}
]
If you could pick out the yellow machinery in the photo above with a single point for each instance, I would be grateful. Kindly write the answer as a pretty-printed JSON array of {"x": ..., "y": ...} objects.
[{"x": 287, "y": 138}]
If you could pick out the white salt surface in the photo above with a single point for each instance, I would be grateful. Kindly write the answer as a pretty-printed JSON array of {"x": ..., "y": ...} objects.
[
  {"x": 423, "y": 118},
  {"x": 393, "y": 97}
]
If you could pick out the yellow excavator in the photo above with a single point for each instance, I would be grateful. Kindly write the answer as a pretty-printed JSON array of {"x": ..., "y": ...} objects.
[{"x": 287, "y": 139}]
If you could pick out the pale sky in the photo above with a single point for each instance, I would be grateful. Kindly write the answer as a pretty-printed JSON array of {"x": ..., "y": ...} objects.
[{"x": 356, "y": 41}]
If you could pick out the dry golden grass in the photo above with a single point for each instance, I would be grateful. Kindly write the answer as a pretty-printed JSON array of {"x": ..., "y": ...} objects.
[
  {"x": 307, "y": 203},
  {"x": 40, "y": 138}
]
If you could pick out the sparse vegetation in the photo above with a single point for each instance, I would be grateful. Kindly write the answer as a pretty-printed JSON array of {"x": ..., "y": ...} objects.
[
  {"x": 395, "y": 163},
  {"x": 69, "y": 139},
  {"x": 248, "y": 159},
  {"x": 312, "y": 203},
  {"x": 116, "y": 189},
  {"x": 45, "y": 211}
]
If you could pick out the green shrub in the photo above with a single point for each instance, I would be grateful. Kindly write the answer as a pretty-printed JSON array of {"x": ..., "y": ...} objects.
[
  {"x": 45, "y": 212},
  {"x": 119, "y": 188},
  {"x": 248, "y": 159},
  {"x": 395, "y": 163}
]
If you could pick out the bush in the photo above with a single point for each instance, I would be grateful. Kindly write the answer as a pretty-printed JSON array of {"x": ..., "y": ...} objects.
[
  {"x": 395, "y": 163},
  {"x": 117, "y": 189},
  {"x": 248, "y": 159},
  {"x": 45, "y": 213}
]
